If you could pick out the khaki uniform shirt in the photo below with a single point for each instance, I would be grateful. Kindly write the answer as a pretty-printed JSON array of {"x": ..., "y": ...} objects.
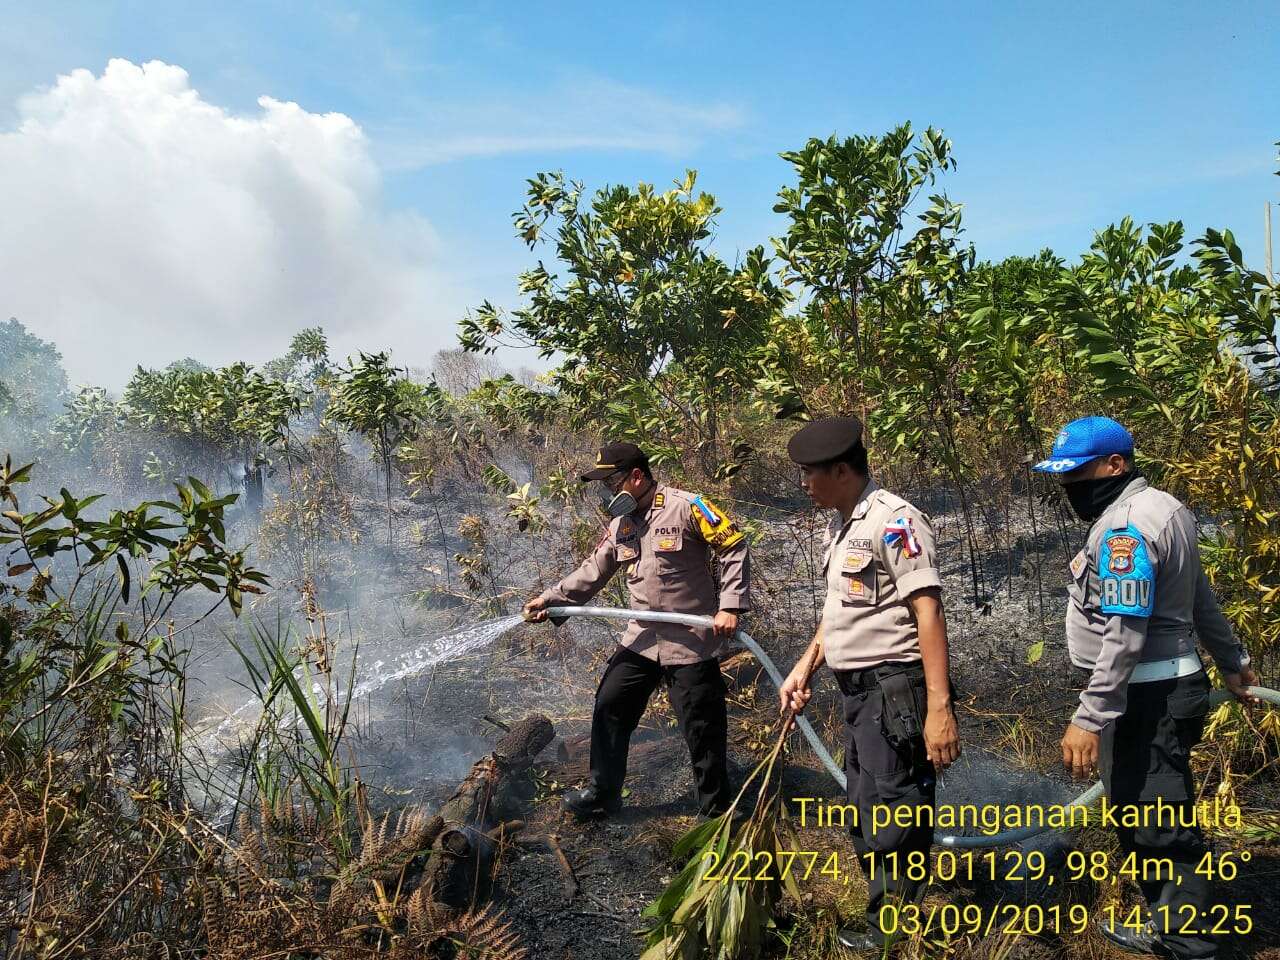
[
  {"x": 866, "y": 619},
  {"x": 1139, "y": 593},
  {"x": 666, "y": 552}
]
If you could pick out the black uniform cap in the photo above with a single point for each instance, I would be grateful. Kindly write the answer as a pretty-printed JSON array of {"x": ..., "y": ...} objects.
[
  {"x": 614, "y": 457},
  {"x": 824, "y": 440}
]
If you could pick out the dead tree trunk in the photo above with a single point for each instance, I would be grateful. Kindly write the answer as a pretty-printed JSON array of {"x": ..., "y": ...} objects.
[{"x": 460, "y": 873}]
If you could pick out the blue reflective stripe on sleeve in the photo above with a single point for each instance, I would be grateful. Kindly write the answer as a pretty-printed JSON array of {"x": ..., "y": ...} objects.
[
  {"x": 711, "y": 516},
  {"x": 1125, "y": 574}
]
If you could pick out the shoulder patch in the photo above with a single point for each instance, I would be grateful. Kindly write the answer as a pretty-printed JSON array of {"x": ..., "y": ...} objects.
[
  {"x": 659, "y": 500},
  {"x": 714, "y": 525},
  {"x": 903, "y": 533},
  {"x": 1078, "y": 563},
  {"x": 706, "y": 510},
  {"x": 1125, "y": 574}
]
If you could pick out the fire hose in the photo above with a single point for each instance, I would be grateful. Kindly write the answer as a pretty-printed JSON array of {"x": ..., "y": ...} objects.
[{"x": 1085, "y": 799}]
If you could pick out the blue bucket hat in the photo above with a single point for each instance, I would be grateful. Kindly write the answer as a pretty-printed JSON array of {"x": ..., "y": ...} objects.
[{"x": 1083, "y": 440}]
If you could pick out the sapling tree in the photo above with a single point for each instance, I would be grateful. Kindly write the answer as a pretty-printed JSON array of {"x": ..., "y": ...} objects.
[
  {"x": 377, "y": 401},
  {"x": 652, "y": 328}
]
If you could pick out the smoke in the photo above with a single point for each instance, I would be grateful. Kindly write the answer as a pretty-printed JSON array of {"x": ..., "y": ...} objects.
[{"x": 145, "y": 224}]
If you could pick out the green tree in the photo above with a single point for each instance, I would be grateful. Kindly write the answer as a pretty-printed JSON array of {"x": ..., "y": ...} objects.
[
  {"x": 652, "y": 327},
  {"x": 232, "y": 416},
  {"x": 33, "y": 377},
  {"x": 89, "y": 418},
  {"x": 307, "y": 359},
  {"x": 375, "y": 399},
  {"x": 846, "y": 218}
]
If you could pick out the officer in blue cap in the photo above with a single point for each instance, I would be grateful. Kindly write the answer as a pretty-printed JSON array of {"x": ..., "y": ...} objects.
[{"x": 1138, "y": 599}]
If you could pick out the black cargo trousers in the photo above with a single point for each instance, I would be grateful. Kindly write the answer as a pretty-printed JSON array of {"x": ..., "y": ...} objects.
[
  {"x": 697, "y": 693},
  {"x": 1145, "y": 755},
  {"x": 887, "y": 775}
]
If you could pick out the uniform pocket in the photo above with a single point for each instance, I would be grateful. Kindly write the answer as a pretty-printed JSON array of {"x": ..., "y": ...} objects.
[
  {"x": 626, "y": 551},
  {"x": 1189, "y": 699},
  {"x": 858, "y": 578},
  {"x": 1189, "y": 709},
  {"x": 902, "y": 711},
  {"x": 667, "y": 544}
]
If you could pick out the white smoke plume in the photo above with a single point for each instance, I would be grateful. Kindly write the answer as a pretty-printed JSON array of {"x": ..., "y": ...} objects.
[{"x": 143, "y": 224}]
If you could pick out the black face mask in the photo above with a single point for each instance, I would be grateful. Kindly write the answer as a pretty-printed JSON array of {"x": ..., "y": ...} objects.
[{"x": 1089, "y": 498}]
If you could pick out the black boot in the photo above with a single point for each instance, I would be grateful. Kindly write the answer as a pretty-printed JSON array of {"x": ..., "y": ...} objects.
[
  {"x": 1142, "y": 940},
  {"x": 588, "y": 803}
]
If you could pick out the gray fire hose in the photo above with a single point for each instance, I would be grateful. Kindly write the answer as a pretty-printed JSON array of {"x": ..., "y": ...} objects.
[
  {"x": 1085, "y": 799},
  {"x": 693, "y": 620}
]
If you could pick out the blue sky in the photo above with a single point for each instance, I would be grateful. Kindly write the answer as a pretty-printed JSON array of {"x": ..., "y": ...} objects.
[{"x": 1064, "y": 117}]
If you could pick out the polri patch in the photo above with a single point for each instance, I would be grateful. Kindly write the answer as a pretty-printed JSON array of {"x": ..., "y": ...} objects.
[
  {"x": 1126, "y": 574},
  {"x": 666, "y": 539}
]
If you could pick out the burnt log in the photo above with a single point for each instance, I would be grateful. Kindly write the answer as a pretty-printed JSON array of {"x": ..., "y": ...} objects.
[{"x": 459, "y": 874}]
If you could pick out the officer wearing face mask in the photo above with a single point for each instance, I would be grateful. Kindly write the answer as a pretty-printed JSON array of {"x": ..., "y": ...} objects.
[
  {"x": 664, "y": 539},
  {"x": 1138, "y": 599}
]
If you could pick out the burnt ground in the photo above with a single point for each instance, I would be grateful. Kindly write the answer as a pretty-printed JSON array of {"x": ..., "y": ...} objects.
[
  {"x": 1011, "y": 715},
  {"x": 420, "y": 740}
]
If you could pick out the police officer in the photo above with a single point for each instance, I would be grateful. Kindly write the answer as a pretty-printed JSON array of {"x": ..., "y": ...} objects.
[
  {"x": 884, "y": 636},
  {"x": 664, "y": 539},
  {"x": 1138, "y": 598}
]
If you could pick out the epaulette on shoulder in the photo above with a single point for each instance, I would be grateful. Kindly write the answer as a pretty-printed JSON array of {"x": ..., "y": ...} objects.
[{"x": 893, "y": 503}]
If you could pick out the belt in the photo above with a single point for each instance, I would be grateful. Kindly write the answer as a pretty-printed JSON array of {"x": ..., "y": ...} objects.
[
  {"x": 1166, "y": 669},
  {"x": 865, "y": 678}
]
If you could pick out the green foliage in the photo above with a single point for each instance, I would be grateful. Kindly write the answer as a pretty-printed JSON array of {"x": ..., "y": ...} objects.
[
  {"x": 218, "y": 419},
  {"x": 73, "y": 656},
  {"x": 719, "y": 905},
  {"x": 307, "y": 359},
  {"x": 229, "y": 408},
  {"x": 843, "y": 243},
  {"x": 182, "y": 543},
  {"x": 300, "y": 737},
  {"x": 651, "y": 325},
  {"x": 33, "y": 378},
  {"x": 89, "y": 417},
  {"x": 376, "y": 400}
]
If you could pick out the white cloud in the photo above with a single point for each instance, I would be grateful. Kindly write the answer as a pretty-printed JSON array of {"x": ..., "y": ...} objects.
[{"x": 142, "y": 224}]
